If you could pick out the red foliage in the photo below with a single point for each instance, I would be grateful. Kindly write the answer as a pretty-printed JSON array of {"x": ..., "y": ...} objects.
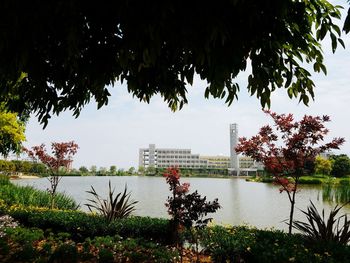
[
  {"x": 172, "y": 177},
  {"x": 187, "y": 208},
  {"x": 300, "y": 140},
  {"x": 61, "y": 154}
]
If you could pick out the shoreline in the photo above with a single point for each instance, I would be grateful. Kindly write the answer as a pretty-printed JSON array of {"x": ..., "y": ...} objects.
[{"x": 15, "y": 177}]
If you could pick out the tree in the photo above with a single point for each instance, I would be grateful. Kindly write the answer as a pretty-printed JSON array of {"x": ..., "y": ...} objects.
[
  {"x": 323, "y": 165},
  {"x": 113, "y": 170},
  {"x": 93, "y": 169},
  {"x": 141, "y": 170},
  {"x": 39, "y": 168},
  {"x": 63, "y": 53},
  {"x": 22, "y": 166},
  {"x": 11, "y": 133},
  {"x": 7, "y": 167},
  {"x": 187, "y": 209},
  {"x": 341, "y": 165},
  {"x": 151, "y": 170},
  {"x": 300, "y": 143},
  {"x": 132, "y": 170},
  {"x": 83, "y": 170},
  {"x": 102, "y": 171},
  {"x": 61, "y": 156}
]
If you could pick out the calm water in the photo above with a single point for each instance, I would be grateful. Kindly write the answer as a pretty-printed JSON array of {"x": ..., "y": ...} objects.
[{"x": 242, "y": 202}]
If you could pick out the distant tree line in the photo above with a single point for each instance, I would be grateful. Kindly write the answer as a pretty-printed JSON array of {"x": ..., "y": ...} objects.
[
  {"x": 40, "y": 169},
  {"x": 103, "y": 171},
  {"x": 16, "y": 166}
]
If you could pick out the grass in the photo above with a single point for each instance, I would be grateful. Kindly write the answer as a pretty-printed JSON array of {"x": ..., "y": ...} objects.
[
  {"x": 308, "y": 179},
  {"x": 29, "y": 196},
  {"x": 336, "y": 193}
]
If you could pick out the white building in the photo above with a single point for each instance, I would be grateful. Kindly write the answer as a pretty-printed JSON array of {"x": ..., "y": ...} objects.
[
  {"x": 166, "y": 157},
  {"x": 183, "y": 158}
]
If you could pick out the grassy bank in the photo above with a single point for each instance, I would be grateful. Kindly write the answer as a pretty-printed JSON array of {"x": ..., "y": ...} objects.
[
  {"x": 29, "y": 196},
  {"x": 314, "y": 179}
]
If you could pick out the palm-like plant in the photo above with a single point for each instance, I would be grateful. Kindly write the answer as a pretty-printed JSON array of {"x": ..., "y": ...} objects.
[
  {"x": 319, "y": 229},
  {"x": 114, "y": 207}
]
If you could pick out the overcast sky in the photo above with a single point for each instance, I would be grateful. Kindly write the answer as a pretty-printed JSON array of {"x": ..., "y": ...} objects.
[{"x": 113, "y": 134}]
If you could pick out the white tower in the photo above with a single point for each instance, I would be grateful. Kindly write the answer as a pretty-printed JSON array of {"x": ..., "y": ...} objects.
[{"x": 234, "y": 165}]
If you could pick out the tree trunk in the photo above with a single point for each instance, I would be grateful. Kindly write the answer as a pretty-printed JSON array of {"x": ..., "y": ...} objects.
[{"x": 292, "y": 203}]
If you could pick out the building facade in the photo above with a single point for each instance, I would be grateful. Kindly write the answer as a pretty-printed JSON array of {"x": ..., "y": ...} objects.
[
  {"x": 183, "y": 158},
  {"x": 217, "y": 162},
  {"x": 167, "y": 157}
]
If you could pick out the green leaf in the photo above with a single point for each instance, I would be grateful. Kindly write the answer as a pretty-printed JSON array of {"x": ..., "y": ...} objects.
[
  {"x": 323, "y": 68},
  {"x": 341, "y": 42}
]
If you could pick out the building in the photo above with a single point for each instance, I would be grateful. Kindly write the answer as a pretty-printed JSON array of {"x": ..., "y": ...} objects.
[
  {"x": 166, "y": 157},
  {"x": 183, "y": 158},
  {"x": 217, "y": 162},
  {"x": 234, "y": 163},
  {"x": 246, "y": 162}
]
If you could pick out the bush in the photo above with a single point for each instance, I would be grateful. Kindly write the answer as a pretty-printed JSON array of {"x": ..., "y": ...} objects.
[
  {"x": 241, "y": 244},
  {"x": 308, "y": 180},
  {"x": 114, "y": 207},
  {"x": 267, "y": 179},
  {"x": 156, "y": 229},
  {"x": 227, "y": 244},
  {"x": 65, "y": 253},
  {"x": 318, "y": 229},
  {"x": 82, "y": 225},
  {"x": 33, "y": 246}
]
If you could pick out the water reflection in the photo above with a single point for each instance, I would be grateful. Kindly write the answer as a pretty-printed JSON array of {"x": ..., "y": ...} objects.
[{"x": 256, "y": 204}]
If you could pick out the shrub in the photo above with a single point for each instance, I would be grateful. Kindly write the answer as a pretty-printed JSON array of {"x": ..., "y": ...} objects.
[
  {"x": 156, "y": 229},
  {"x": 186, "y": 208},
  {"x": 318, "y": 229},
  {"x": 119, "y": 206},
  {"x": 308, "y": 180},
  {"x": 105, "y": 256},
  {"x": 227, "y": 244},
  {"x": 242, "y": 244},
  {"x": 65, "y": 253},
  {"x": 82, "y": 225},
  {"x": 267, "y": 179},
  {"x": 30, "y": 245},
  {"x": 24, "y": 235}
]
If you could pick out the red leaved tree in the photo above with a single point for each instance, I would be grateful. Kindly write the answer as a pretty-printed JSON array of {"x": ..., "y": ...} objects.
[
  {"x": 61, "y": 157},
  {"x": 300, "y": 142}
]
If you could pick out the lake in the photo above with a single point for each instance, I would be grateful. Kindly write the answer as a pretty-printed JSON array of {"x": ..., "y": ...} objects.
[{"x": 256, "y": 204}]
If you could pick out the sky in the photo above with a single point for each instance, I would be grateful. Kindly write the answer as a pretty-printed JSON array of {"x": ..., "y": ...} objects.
[{"x": 113, "y": 134}]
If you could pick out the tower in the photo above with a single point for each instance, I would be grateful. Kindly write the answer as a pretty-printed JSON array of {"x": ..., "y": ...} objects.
[{"x": 233, "y": 143}]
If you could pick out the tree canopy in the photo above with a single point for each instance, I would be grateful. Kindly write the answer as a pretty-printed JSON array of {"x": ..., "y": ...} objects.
[
  {"x": 11, "y": 133},
  {"x": 57, "y": 55}
]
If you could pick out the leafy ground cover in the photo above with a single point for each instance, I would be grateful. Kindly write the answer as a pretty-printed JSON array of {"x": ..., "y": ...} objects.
[{"x": 84, "y": 237}]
